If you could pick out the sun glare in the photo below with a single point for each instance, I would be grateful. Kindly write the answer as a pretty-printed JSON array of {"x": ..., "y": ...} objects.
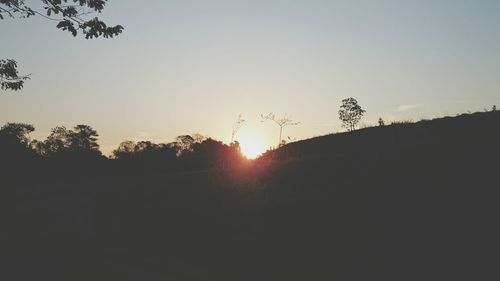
[{"x": 251, "y": 145}]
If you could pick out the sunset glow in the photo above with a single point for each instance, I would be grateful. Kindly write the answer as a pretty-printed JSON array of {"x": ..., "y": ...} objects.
[{"x": 252, "y": 145}]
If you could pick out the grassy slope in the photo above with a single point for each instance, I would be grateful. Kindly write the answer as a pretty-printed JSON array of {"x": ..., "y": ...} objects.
[{"x": 401, "y": 202}]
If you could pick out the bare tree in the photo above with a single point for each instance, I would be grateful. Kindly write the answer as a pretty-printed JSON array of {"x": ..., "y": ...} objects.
[
  {"x": 237, "y": 126},
  {"x": 281, "y": 122}
]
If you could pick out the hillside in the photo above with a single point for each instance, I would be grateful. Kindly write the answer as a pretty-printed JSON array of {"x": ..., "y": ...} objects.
[
  {"x": 401, "y": 202},
  {"x": 463, "y": 131}
]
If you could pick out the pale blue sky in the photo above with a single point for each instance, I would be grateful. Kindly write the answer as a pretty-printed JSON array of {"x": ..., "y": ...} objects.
[{"x": 186, "y": 66}]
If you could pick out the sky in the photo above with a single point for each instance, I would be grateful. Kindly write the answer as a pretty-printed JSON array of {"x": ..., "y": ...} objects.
[{"x": 192, "y": 66}]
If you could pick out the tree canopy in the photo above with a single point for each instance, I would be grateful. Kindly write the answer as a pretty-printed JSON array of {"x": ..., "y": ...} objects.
[
  {"x": 73, "y": 16},
  {"x": 350, "y": 113},
  {"x": 82, "y": 139},
  {"x": 17, "y": 133}
]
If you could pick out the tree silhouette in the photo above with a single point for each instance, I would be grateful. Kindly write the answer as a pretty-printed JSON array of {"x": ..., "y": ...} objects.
[
  {"x": 156, "y": 154},
  {"x": 17, "y": 133},
  {"x": 16, "y": 152},
  {"x": 71, "y": 15},
  {"x": 82, "y": 139},
  {"x": 126, "y": 149},
  {"x": 57, "y": 142},
  {"x": 381, "y": 122},
  {"x": 350, "y": 113},
  {"x": 281, "y": 122},
  {"x": 237, "y": 126},
  {"x": 183, "y": 144}
]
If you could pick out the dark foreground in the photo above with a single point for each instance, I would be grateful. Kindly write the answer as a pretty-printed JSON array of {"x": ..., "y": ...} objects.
[{"x": 401, "y": 202}]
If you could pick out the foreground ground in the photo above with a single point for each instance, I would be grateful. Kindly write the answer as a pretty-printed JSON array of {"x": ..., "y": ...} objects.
[{"x": 401, "y": 202}]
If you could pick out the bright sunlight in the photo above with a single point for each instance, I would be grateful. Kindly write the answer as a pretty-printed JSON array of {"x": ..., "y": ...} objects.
[{"x": 252, "y": 145}]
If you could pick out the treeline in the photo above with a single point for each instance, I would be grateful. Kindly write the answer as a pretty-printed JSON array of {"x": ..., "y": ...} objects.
[
  {"x": 76, "y": 152},
  {"x": 185, "y": 153}
]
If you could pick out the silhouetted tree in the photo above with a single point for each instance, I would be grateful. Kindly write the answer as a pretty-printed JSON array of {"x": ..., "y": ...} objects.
[
  {"x": 16, "y": 152},
  {"x": 196, "y": 152},
  {"x": 281, "y": 122},
  {"x": 212, "y": 153},
  {"x": 350, "y": 113},
  {"x": 209, "y": 153},
  {"x": 125, "y": 150},
  {"x": 237, "y": 126},
  {"x": 197, "y": 138},
  {"x": 57, "y": 142},
  {"x": 234, "y": 154},
  {"x": 183, "y": 143},
  {"x": 70, "y": 15},
  {"x": 381, "y": 122},
  {"x": 17, "y": 133},
  {"x": 166, "y": 152},
  {"x": 82, "y": 139}
]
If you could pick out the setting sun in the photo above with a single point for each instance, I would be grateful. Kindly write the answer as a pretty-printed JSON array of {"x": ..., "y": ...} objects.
[{"x": 252, "y": 145}]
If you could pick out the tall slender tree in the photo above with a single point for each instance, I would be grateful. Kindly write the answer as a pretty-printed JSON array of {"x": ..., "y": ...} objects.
[{"x": 237, "y": 126}]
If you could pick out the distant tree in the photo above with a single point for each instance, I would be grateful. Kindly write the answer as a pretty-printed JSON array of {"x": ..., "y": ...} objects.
[
  {"x": 212, "y": 153},
  {"x": 57, "y": 142},
  {"x": 38, "y": 147},
  {"x": 183, "y": 144},
  {"x": 142, "y": 147},
  {"x": 124, "y": 150},
  {"x": 208, "y": 153},
  {"x": 16, "y": 150},
  {"x": 281, "y": 122},
  {"x": 187, "y": 153},
  {"x": 17, "y": 133},
  {"x": 71, "y": 15},
  {"x": 240, "y": 122},
  {"x": 381, "y": 122},
  {"x": 83, "y": 138},
  {"x": 166, "y": 152},
  {"x": 198, "y": 138},
  {"x": 146, "y": 153},
  {"x": 350, "y": 113}
]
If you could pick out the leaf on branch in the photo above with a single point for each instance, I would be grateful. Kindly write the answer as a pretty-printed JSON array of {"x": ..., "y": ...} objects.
[
  {"x": 95, "y": 28},
  {"x": 67, "y": 25},
  {"x": 9, "y": 78}
]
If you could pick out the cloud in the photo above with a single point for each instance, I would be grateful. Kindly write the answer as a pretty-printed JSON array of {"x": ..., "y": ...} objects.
[{"x": 407, "y": 107}]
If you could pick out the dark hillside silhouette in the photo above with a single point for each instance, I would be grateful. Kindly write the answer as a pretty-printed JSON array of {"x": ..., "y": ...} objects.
[
  {"x": 446, "y": 133},
  {"x": 415, "y": 201}
]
